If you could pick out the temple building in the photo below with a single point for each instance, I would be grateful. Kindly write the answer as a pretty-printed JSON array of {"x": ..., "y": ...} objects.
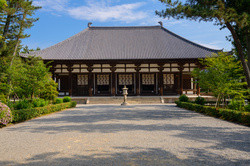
[{"x": 149, "y": 60}]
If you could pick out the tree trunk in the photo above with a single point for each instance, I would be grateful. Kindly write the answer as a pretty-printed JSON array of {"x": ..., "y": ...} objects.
[{"x": 240, "y": 52}]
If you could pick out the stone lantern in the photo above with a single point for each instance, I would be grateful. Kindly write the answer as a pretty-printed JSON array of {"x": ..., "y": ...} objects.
[{"x": 125, "y": 94}]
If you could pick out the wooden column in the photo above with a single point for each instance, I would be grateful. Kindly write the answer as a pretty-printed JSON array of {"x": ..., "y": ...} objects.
[
  {"x": 90, "y": 80},
  {"x": 70, "y": 78},
  {"x": 161, "y": 79},
  {"x": 137, "y": 77},
  {"x": 113, "y": 69},
  {"x": 181, "y": 68}
]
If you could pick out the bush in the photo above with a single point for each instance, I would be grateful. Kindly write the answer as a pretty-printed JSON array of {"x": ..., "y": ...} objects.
[
  {"x": 66, "y": 99},
  {"x": 236, "y": 105},
  {"x": 58, "y": 101},
  {"x": 183, "y": 98},
  {"x": 247, "y": 108},
  {"x": 26, "y": 114},
  {"x": 39, "y": 103},
  {"x": 226, "y": 114},
  {"x": 5, "y": 114},
  {"x": 200, "y": 100},
  {"x": 22, "y": 104}
]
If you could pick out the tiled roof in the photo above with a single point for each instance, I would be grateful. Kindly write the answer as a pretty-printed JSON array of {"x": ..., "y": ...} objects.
[{"x": 124, "y": 43}]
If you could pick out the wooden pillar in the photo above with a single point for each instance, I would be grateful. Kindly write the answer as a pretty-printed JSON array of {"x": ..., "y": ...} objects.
[
  {"x": 70, "y": 78},
  {"x": 181, "y": 68},
  {"x": 90, "y": 80},
  {"x": 113, "y": 69},
  {"x": 161, "y": 79},
  {"x": 137, "y": 77}
]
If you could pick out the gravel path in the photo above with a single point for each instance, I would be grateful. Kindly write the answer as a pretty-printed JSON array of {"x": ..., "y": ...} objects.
[{"x": 134, "y": 135}]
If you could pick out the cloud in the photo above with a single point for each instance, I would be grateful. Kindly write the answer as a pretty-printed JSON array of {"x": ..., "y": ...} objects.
[
  {"x": 52, "y": 5},
  {"x": 103, "y": 12}
]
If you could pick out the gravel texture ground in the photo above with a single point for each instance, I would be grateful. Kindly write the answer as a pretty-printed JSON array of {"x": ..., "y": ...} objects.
[{"x": 132, "y": 135}]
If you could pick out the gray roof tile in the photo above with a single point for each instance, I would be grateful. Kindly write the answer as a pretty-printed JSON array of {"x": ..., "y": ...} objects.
[{"x": 125, "y": 43}]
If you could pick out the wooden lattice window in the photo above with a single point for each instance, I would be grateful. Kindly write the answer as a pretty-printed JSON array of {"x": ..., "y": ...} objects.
[
  {"x": 125, "y": 79},
  {"x": 103, "y": 79},
  {"x": 148, "y": 79},
  {"x": 168, "y": 79},
  {"x": 82, "y": 79}
]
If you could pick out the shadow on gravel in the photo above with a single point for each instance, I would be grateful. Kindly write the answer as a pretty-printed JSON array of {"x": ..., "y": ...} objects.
[
  {"x": 148, "y": 157},
  {"x": 110, "y": 120}
]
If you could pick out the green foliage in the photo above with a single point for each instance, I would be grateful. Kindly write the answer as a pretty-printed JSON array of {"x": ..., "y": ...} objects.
[
  {"x": 247, "y": 108},
  {"x": 58, "y": 101},
  {"x": 3, "y": 98},
  {"x": 22, "y": 104},
  {"x": 226, "y": 114},
  {"x": 183, "y": 98},
  {"x": 26, "y": 114},
  {"x": 236, "y": 105},
  {"x": 231, "y": 14},
  {"x": 66, "y": 99},
  {"x": 31, "y": 78},
  {"x": 223, "y": 76},
  {"x": 49, "y": 90},
  {"x": 39, "y": 103},
  {"x": 200, "y": 100}
]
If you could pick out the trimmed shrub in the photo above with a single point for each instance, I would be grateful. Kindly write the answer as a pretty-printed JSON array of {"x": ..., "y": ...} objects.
[
  {"x": 39, "y": 103},
  {"x": 200, "y": 100},
  {"x": 226, "y": 114},
  {"x": 5, "y": 114},
  {"x": 66, "y": 99},
  {"x": 183, "y": 98},
  {"x": 58, "y": 101},
  {"x": 22, "y": 104},
  {"x": 26, "y": 114}
]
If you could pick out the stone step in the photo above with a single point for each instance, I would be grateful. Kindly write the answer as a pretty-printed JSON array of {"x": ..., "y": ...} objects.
[{"x": 118, "y": 100}]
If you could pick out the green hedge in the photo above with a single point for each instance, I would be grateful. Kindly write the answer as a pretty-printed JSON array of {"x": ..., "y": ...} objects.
[
  {"x": 26, "y": 114},
  {"x": 226, "y": 114}
]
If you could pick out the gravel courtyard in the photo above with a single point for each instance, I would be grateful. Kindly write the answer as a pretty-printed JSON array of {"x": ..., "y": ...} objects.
[{"x": 133, "y": 135}]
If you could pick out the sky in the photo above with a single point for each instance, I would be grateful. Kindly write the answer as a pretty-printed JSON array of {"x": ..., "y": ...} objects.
[{"x": 61, "y": 19}]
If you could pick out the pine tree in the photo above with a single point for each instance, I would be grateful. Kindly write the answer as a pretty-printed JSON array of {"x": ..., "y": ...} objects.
[{"x": 230, "y": 14}]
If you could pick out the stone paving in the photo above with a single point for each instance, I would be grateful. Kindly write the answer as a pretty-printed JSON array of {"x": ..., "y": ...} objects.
[{"x": 133, "y": 135}]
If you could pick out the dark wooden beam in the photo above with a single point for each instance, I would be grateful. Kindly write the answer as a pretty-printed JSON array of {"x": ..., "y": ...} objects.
[
  {"x": 90, "y": 79},
  {"x": 70, "y": 78},
  {"x": 137, "y": 77},
  {"x": 181, "y": 68},
  {"x": 113, "y": 69}
]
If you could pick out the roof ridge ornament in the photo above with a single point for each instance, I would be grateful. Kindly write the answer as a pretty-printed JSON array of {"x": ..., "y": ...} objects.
[
  {"x": 161, "y": 24},
  {"x": 89, "y": 24}
]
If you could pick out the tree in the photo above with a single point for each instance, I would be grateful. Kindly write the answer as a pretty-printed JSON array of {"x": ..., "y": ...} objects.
[
  {"x": 16, "y": 17},
  {"x": 222, "y": 76},
  {"x": 230, "y": 14},
  {"x": 31, "y": 78}
]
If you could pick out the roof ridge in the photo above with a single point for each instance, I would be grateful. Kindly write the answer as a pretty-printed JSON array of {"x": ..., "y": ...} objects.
[
  {"x": 122, "y": 27},
  {"x": 189, "y": 41}
]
